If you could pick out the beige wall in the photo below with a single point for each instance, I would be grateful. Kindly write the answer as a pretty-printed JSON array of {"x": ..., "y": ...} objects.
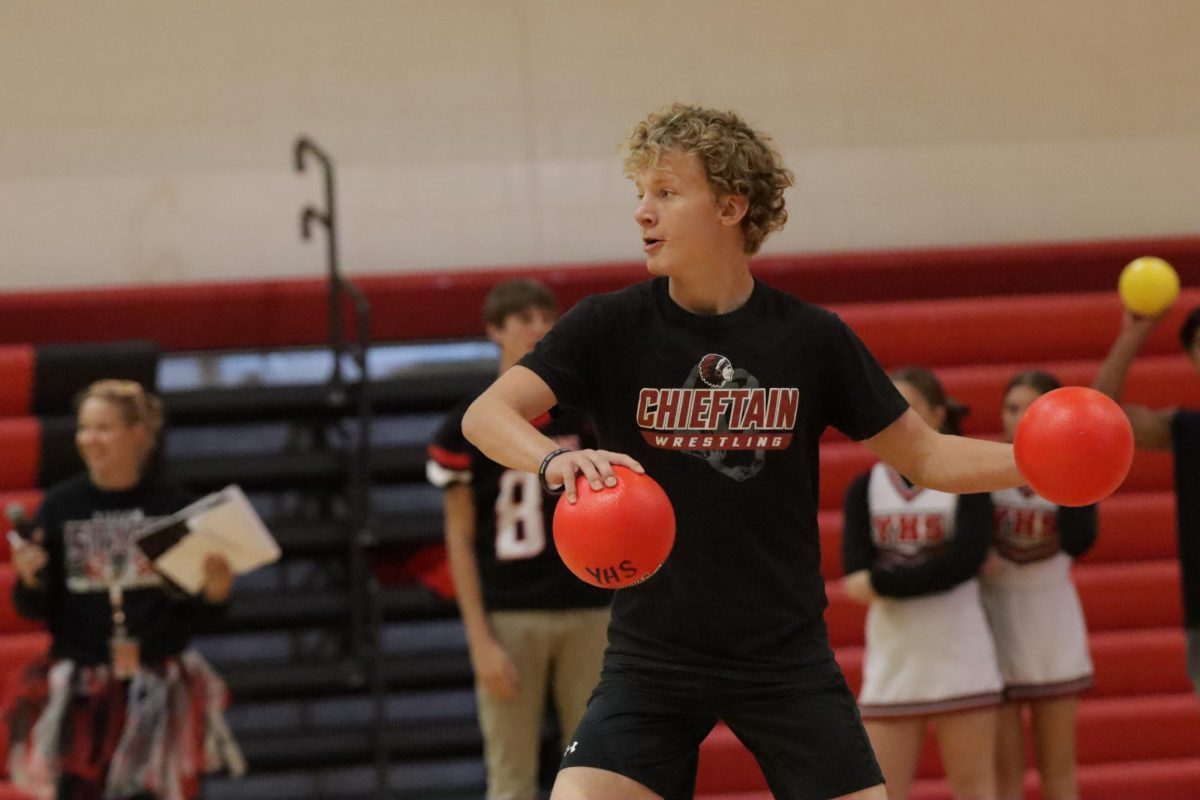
[{"x": 150, "y": 141}]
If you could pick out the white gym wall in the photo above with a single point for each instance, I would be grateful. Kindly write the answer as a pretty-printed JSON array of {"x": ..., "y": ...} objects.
[{"x": 145, "y": 142}]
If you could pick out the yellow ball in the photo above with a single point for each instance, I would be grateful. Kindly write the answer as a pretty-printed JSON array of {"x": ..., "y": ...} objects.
[{"x": 1148, "y": 286}]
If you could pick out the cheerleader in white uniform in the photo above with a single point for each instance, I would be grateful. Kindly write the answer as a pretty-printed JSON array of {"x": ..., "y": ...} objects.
[
  {"x": 914, "y": 555},
  {"x": 1036, "y": 619}
]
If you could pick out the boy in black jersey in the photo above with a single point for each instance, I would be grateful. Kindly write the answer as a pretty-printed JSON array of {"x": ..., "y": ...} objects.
[
  {"x": 720, "y": 387},
  {"x": 530, "y": 623},
  {"x": 1177, "y": 430}
]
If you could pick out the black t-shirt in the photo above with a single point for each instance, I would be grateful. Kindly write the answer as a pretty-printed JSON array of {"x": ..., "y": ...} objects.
[
  {"x": 1185, "y": 438},
  {"x": 519, "y": 567},
  {"x": 726, "y": 413},
  {"x": 89, "y": 537}
]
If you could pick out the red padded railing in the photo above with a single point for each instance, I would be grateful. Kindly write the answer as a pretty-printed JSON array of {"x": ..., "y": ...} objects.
[
  {"x": 20, "y": 443},
  {"x": 276, "y": 313},
  {"x": 16, "y": 380}
]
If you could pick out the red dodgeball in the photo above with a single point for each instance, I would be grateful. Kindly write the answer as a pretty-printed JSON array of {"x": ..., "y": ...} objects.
[
  {"x": 1074, "y": 446},
  {"x": 618, "y": 536}
]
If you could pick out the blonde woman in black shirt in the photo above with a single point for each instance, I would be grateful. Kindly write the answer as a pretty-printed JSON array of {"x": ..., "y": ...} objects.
[{"x": 117, "y": 715}]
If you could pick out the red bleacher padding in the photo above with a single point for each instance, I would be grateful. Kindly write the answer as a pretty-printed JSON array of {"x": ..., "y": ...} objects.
[
  {"x": 841, "y": 463},
  {"x": 1160, "y": 779},
  {"x": 971, "y": 271},
  {"x": 1135, "y": 526},
  {"x": 1139, "y": 662},
  {"x": 1004, "y": 330},
  {"x": 10, "y": 620},
  {"x": 1109, "y": 730},
  {"x": 17, "y": 651},
  {"x": 445, "y": 304},
  {"x": 20, "y": 445},
  {"x": 1156, "y": 381},
  {"x": 10, "y": 792},
  {"x": 1136, "y": 728},
  {"x": 1130, "y": 595},
  {"x": 845, "y": 619},
  {"x": 16, "y": 379},
  {"x": 1152, "y": 471},
  {"x": 1117, "y": 730},
  {"x": 830, "y": 524},
  {"x": 1166, "y": 779}
]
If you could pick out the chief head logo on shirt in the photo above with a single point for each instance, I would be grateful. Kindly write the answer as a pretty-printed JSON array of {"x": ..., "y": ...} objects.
[{"x": 716, "y": 370}]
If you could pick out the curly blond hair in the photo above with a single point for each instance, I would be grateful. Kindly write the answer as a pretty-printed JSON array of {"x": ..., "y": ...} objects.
[{"x": 737, "y": 160}]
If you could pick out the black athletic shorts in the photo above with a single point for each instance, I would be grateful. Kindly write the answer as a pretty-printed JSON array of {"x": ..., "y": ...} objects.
[{"x": 647, "y": 724}]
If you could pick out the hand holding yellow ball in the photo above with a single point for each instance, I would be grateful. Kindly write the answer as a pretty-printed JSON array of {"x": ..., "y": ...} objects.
[{"x": 1148, "y": 286}]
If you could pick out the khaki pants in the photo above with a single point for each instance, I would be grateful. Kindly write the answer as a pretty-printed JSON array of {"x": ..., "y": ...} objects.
[{"x": 560, "y": 649}]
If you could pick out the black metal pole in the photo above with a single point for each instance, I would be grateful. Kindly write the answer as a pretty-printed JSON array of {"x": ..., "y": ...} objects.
[
  {"x": 365, "y": 602},
  {"x": 328, "y": 220}
]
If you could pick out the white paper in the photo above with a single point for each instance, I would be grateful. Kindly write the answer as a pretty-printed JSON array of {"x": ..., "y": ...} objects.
[{"x": 223, "y": 523}]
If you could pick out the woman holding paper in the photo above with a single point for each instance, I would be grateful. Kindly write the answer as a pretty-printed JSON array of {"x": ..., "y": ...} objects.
[{"x": 122, "y": 709}]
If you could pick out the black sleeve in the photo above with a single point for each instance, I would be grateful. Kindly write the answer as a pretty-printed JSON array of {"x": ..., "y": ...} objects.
[
  {"x": 1077, "y": 529},
  {"x": 858, "y": 549},
  {"x": 39, "y": 603},
  {"x": 449, "y": 435},
  {"x": 449, "y": 452},
  {"x": 860, "y": 398},
  {"x": 206, "y": 614},
  {"x": 959, "y": 562},
  {"x": 32, "y": 603},
  {"x": 566, "y": 357}
]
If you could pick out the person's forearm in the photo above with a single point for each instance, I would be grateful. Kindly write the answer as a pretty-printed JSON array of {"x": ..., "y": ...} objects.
[
  {"x": 464, "y": 571},
  {"x": 1115, "y": 368},
  {"x": 459, "y": 519},
  {"x": 964, "y": 466},
  {"x": 943, "y": 462},
  {"x": 502, "y": 434},
  {"x": 939, "y": 575},
  {"x": 960, "y": 561}
]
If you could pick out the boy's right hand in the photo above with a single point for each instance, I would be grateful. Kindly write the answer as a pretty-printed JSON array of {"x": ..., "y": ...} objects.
[
  {"x": 28, "y": 558},
  {"x": 494, "y": 669},
  {"x": 595, "y": 465}
]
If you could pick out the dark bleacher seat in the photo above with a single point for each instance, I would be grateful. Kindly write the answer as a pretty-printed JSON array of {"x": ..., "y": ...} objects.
[
  {"x": 62, "y": 370},
  {"x": 415, "y": 393}
]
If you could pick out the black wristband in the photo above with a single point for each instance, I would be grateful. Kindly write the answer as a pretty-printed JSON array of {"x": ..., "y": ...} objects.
[{"x": 542, "y": 471}]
